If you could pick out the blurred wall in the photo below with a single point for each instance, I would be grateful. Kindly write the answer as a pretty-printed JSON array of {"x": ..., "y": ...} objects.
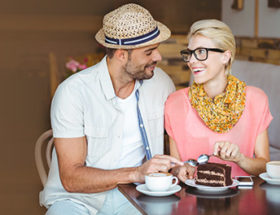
[
  {"x": 242, "y": 22},
  {"x": 257, "y": 33},
  {"x": 29, "y": 31},
  {"x": 269, "y": 25}
]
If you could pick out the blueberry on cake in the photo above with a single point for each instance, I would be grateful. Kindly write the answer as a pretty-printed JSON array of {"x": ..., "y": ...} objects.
[{"x": 213, "y": 174}]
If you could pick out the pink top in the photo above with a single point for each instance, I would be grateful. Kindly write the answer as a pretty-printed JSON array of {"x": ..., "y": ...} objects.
[{"x": 194, "y": 138}]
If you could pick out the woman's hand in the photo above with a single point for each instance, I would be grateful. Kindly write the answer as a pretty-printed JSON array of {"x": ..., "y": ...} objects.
[
  {"x": 183, "y": 172},
  {"x": 228, "y": 151}
]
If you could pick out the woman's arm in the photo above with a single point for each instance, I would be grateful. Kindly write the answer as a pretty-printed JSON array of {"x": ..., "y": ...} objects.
[
  {"x": 173, "y": 149},
  {"x": 182, "y": 172},
  {"x": 254, "y": 166}
]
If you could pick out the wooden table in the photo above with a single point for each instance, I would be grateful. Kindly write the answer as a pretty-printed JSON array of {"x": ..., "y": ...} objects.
[{"x": 262, "y": 199}]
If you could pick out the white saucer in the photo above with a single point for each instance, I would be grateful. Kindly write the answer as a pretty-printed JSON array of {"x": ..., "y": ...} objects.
[
  {"x": 269, "y": 180},
  {"x": 191, "y": 182},
  {"x": 143, "y": 189}
]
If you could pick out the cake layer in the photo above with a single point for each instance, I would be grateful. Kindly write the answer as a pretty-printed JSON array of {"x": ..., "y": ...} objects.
[
  {"x": 214, "y": 167},
  {"x": 211, "y": 183},
  {"x": 211, "y": 177}
]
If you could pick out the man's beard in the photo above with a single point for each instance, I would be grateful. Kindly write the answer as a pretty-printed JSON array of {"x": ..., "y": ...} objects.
[{"x": 141, "y": 74}]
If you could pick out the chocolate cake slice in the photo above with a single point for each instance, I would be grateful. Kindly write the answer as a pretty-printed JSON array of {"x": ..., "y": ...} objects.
[{"x": 214, "y": 175}]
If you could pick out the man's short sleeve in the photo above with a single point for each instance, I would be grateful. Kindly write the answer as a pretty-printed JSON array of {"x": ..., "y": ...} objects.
[{"x": 67, "y": 111}]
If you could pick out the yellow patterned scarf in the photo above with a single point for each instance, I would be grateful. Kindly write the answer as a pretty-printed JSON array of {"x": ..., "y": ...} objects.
[{"x": 223, "y": 112}]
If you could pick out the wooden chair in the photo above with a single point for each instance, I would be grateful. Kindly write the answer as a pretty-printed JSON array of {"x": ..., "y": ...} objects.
[{"x": 43, "y": 151}]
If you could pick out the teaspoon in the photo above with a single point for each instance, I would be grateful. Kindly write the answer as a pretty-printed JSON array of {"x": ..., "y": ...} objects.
[
  {"x": 204, "y": 158},
  {"x": 192, "y": 162}
]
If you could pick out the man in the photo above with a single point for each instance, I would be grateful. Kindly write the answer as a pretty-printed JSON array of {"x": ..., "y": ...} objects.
[{"x": 108, "y": 119}]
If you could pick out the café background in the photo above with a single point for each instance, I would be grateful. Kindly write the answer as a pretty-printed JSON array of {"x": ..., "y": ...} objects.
[{"x": 29, "y": 31}]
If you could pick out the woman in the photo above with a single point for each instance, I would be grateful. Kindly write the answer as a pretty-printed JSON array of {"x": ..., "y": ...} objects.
[{"x": 218, "y": 114}]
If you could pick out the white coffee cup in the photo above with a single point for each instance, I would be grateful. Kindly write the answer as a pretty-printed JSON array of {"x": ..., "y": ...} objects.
[
  {"x": 273, "y": 169},
  {"x": 160, "y": 181}
]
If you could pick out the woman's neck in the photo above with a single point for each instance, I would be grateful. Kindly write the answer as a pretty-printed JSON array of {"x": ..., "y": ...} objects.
[{"x": 216, "y": 87}]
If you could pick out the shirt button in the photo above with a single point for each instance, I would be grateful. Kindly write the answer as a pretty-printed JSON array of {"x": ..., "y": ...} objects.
[
  {"x": 141, "y": 125},
  {"x": 147, "y": 148}
]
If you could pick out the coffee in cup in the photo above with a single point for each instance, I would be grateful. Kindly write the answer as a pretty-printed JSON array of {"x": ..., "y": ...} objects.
[
  {"x": 160, "y": 181},
  {"x": 273, "y": 169}
]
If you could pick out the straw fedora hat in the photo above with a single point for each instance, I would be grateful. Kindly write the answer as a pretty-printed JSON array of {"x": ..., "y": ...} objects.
[{"x": 131, "y": 26}]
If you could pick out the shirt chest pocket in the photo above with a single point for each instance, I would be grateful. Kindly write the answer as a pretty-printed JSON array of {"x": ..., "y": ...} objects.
[
  {"x": 98, "y": 143},
  {"x": 155, "y": 121}
]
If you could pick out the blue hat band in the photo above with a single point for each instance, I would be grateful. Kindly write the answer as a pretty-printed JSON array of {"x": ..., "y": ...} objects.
[{"x": 134, "y": 41}]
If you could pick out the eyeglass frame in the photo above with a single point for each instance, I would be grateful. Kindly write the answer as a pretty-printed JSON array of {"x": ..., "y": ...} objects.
[{"x": 182, "y": 52}]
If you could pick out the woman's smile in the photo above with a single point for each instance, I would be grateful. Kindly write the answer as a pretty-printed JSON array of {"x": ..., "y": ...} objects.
[{"x": 197, "y": 70}]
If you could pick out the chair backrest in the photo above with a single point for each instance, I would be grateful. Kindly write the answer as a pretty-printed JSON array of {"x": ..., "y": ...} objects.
[
  {"x": 43, "y": 151},
  {"x": 265, "y": 76}
]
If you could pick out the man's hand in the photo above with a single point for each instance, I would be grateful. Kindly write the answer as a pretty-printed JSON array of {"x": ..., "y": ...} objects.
[{"x": 159, "y": 163}]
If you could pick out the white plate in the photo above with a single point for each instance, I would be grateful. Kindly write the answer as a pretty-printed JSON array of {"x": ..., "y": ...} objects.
[
  {"x": 269, "y": 180},
  {"x": 143, "y": 189},
  {"x": 191, "y": 182}
]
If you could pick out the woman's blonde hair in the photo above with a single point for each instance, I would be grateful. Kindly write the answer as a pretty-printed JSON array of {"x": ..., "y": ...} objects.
[{"x": 218, "y": 32}]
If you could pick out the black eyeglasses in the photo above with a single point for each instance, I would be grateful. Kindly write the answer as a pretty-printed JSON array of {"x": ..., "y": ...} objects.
[{"x": 200, "y": 54}]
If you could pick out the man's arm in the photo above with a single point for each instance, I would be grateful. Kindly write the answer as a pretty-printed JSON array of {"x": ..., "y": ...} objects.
[{"x": 76, "y": 177}]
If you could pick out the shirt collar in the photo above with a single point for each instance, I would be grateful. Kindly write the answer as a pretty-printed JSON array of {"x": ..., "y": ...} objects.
[{"x": 106, "y": 82}]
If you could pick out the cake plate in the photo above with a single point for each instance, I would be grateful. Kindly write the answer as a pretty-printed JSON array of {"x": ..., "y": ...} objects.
[{"x": 191, "y": 182}]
